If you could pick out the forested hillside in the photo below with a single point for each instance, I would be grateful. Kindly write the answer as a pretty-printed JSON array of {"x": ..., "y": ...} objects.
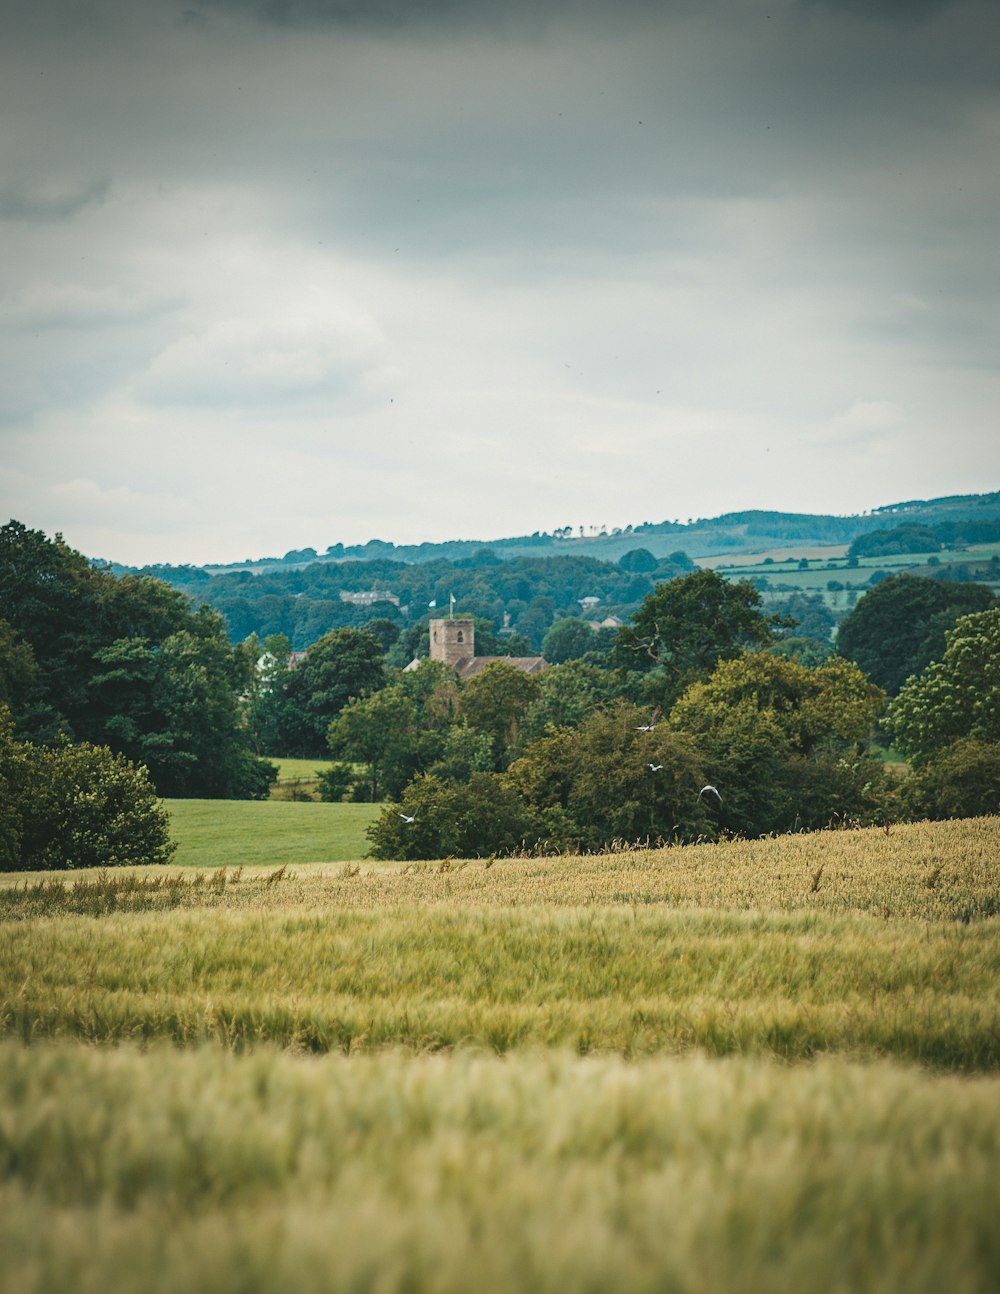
[{"x": 732, "y": 532}]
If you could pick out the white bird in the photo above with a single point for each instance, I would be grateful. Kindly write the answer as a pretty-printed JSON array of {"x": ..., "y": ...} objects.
[
  {"x": 711, "y": 791},
  {"x": 648, "y": 727},
  {"x": 654, "y": 767},
  {"x": 405, "y": 818}
]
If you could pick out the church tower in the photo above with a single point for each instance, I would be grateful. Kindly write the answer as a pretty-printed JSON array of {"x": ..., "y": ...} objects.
[{"x": 452, "y": 640}]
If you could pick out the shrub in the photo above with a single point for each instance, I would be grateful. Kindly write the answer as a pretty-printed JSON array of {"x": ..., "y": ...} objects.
[
  {"x": 961, "y": 781},
  {"x": 466, "y": 820},
  {"x": 334, "y": 783},
  {"x": 76, "y": 806}
]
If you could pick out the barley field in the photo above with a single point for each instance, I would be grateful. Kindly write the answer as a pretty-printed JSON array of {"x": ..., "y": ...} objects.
[{"x": 753, "y": 1066}]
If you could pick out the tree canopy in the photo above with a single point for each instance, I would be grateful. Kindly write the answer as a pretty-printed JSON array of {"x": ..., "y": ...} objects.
[
  {"x": 689, "y": 623},
  {"x": 898, "y": 627},
  {"x": 75, "y": 806},
  {"x": 124, "y": 663},
  {"x": 956, "y": 697}
]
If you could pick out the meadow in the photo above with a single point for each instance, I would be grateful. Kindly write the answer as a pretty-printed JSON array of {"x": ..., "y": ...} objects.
[
  {"x": 252, "y": 833},
  {"x": 769, "y": 1065}
]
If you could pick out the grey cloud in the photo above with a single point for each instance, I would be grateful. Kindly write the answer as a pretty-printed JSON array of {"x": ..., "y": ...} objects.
[{"x": 46, "y": 203}]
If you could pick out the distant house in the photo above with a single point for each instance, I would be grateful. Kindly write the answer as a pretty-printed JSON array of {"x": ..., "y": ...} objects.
[
  {"x": 368, "y": 597},
  {"x": 589, "y": 603},
  {"x": 453, "y": 642}
]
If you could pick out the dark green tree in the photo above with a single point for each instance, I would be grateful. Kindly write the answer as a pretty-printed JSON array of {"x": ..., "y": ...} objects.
[
  {"x": 17, "y": 665},
  {"x": 75, "y": 806},
  {"x": 566, "y": 695},
  {"x": 495, "y": 702},
  {"x": 568, "y": 639},
  {"x": 608, "y": 780},
  {"x": 960, "y": 781},
  {"x": 638, "y": 561},
  {"x": 898, "y": 627},
  {"x": 688, "y": 624},
  {"x": 812, "y": 617},
  {"x": 473, "y": 819},
  {"x": 344, "y": 663},
  {"x": 956, "y": 697},
  {"x": 127, "y": 663}
]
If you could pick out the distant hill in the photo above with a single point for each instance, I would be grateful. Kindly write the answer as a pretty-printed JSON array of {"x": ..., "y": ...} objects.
[
  {"x": 732, "y": 532},
  {"x": 525, "y": 584}
]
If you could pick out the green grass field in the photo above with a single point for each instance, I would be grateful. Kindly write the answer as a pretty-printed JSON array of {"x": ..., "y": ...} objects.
[
  {"x": 297, "y": 770},
  {"x": 255, "y": 833},
  {"x": 719, "y": 1069},
  {"x": 781, "y": 568}
]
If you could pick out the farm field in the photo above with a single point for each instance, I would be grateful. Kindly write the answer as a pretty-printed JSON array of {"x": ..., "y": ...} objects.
[
  {"x": 295, "y": 770},
  {"x": 753, "y": 1066},
  {"x": 780, "y": 566},
  {"x": 254, "y": 833}
]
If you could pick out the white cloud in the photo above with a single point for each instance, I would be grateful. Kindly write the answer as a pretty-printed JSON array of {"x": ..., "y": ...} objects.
[
  {"x": 267, "y": 285},
  {"x": 873, "y": 415}
]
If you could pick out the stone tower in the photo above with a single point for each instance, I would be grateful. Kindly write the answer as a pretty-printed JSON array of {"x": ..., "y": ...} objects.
[{"x": 452, "y": 640}]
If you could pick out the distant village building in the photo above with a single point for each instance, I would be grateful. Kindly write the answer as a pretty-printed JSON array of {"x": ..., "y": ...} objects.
[
  {"x": 453, "y": 642},
  {"x": 368, "y": 597}
]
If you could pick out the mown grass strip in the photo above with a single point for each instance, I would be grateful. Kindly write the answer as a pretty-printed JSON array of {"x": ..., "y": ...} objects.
[{"x": 256, "y": 833}]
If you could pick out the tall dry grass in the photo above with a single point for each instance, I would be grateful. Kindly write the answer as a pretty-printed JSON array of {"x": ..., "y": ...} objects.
[
  {"x": 845, "y": 941},
  {"x": 164, "y": 1171}
]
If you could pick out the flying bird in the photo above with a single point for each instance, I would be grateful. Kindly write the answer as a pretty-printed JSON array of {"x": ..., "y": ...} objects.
[
  {"x": 648, "y": 727},
  {"x": 654, "y": 767},
  {"x": 407, "y": 819},
  {"x": 711, "y": 791}
]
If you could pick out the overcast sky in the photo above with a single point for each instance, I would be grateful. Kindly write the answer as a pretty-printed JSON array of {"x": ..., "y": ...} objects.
[{"x": 278, "y": 273}]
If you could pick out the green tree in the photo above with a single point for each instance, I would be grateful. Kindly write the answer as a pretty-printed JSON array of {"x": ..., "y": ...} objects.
[
  {"x": 75, "y": 806},
  {"x": 342, "y": 664},
  {"x": 811, "y": 616},
  {"x": 568, "y": 639},
  {"x": 638, "y": 561},
  {"x": 494, "y": 702},
  {"x": 960, "y": 781},
  {"x": 566, "y": 695},
  {"x": 401, "y": 729},
  {"x": 379, "y": 730},
  {"x": 956, "y": 697},
  {"x": 462, "y": 753},
  {"x": 785, "y": 743},
  {"x": 774, "y": 701},
  {"x": 480, "y": 817},
  {"x": 609, "y": 780},
  {"x": 898, "y": 627},
  {"x": 127, "y": 663},
  {"x": 17, "y": 664},
  {"x": 688, "y": 624}
]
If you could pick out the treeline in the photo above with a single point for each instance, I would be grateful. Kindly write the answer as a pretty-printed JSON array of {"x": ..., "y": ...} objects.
[
  {"x": 915, "y": 537},
  {"x": 700, "y": 724},
  {"x": 702, "y": 715},
  {"x": 124, "y": 663},
  {"x": 525, "y": 595}
]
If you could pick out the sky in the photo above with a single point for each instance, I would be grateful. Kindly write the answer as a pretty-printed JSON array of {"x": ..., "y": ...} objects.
[{"x": 288, "y": 273}]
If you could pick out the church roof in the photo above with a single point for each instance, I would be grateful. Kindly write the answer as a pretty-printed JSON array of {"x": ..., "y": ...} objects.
[{"x": 470, "y": 666}]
